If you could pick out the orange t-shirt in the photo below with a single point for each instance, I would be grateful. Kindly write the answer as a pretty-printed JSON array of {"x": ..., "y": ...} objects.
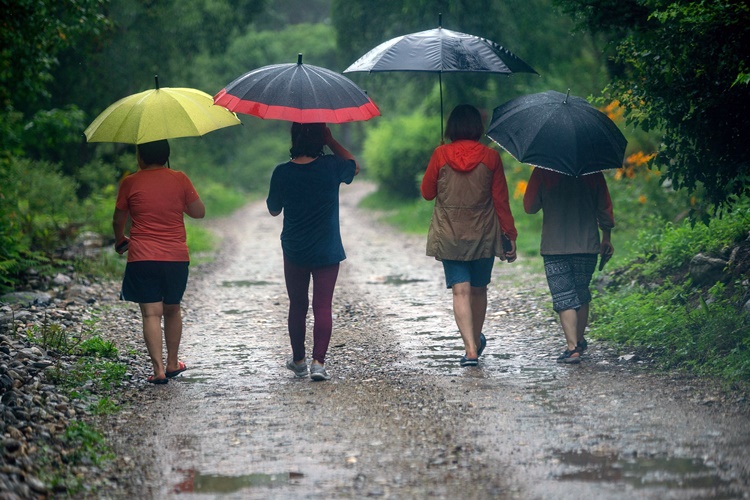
[{"x": 157, "y": 200}]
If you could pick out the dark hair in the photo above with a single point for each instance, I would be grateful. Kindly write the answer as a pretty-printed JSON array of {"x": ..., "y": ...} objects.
[
  {"x": 154, "y": 153},
  {"x": 465, "y": 122},
  {"x": 308, "y": 139}
]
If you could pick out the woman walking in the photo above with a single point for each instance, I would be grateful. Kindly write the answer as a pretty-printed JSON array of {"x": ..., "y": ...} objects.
[
  {"x": 156, "y": 274},
  {"x": 471, "y": 217},
  {"x": 306, "y": 188}
]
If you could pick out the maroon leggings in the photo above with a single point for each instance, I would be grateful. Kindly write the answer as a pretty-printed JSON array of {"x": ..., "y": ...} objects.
[{"x": 297, "y": 286}]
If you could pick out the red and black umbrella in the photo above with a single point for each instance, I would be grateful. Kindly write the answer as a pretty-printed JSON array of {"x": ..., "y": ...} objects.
[{"x": 298, "y": 92}]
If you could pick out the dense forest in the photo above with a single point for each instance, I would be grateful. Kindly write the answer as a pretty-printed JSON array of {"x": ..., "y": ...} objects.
[{"x": 673, "y": 75}]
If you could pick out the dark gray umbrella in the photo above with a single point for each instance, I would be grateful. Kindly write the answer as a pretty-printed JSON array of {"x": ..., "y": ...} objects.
[
  {"x": 440, "y": 51},
  {"x": 559, "y": 132}
]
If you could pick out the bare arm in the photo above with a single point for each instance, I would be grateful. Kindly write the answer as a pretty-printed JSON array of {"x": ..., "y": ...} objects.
[
  {"x": 339, "y": 150},
  {"x": 119, "y": 219},
  {"x": 196, "y": 209}
]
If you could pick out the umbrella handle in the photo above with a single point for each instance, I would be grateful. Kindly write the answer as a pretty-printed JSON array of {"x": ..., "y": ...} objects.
[{"x": 440, "y": 80}]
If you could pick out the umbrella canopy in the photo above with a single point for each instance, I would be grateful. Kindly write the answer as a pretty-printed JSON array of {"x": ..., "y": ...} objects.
[
  {"x": 559, "y": 132},
  {"x": 162, "y": 113},
  {"x": 440, "y": 51},
  {"x": 298, "y": 92}
]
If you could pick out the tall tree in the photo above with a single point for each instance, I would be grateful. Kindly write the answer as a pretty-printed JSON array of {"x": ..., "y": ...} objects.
[
  {"x": 32, "y": 34},
  {"x": 684, "y": 70},
  {"x": 148, "y": 38}
]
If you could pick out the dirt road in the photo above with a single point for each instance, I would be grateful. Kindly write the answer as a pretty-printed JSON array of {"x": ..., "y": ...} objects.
[{"x": 400, "y": 418}]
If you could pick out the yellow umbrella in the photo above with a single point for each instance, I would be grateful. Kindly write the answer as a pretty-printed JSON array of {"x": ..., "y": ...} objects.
[{"x": 157, "y": 114}]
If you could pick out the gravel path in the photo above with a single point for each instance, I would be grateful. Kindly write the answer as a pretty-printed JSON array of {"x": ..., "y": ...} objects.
[{"x": 400, "y": 418}]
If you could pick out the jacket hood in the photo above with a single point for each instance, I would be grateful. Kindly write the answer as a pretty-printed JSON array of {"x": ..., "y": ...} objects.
[{"x": 464, "y": 155}]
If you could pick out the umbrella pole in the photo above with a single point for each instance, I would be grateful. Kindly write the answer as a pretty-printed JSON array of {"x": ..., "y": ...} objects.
[{"x": 440, "y": 80}]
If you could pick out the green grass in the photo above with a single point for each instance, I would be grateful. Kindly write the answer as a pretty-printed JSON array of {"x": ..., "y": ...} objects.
[
  {"x": 653, "y": 306},
  {"x": 83, "y": 445}
]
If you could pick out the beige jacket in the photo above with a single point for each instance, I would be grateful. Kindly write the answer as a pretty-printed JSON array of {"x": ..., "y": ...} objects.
[{"x": 467, "y": 181}]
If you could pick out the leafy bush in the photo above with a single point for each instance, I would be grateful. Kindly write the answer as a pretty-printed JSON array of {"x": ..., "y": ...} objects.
[
  {"x": 220, "y": 200},
  {"x": 55, "y": 136},
  {"x": 711, "y": 339},
  {"x": 703, "y": 330},
  {"x": 397, "y": 152},
  {"x": 97, "y": 346},
  {"x": 38, "y": 202},
  {"x": 673, "y": 245},
  {"x": 37, "y": 209}
]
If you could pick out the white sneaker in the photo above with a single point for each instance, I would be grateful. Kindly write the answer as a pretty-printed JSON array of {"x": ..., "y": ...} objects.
[
  {"x": 318, "y": 372},
  {"x": 300, "y": 370}
]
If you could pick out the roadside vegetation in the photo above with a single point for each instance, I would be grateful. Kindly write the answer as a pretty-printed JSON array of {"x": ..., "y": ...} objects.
[{"x": 88, "y": 372}]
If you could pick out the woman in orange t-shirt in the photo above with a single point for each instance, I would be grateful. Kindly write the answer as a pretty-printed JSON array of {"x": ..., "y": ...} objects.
[{"x": 155, "y": 198}]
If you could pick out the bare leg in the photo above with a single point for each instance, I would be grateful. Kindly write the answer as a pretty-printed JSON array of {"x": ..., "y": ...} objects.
[
  {"x": 172, "y": 334},
  {"x": 463, "y": 314},
  {"x": 583, "y": 321},
  {"x": 569, "y": 320},
  {"x": 152, "y": 313},
  {"x": 478, "y": 310}
]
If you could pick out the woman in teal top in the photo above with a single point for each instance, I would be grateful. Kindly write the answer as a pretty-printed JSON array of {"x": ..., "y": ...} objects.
[{"x": 306, "y": 188}]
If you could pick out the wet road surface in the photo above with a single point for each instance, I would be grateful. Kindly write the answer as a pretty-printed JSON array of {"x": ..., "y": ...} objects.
[{"x": 400, "y": 418}]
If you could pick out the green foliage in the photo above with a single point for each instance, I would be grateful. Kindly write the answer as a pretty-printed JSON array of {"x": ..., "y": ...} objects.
[
  {"x": 103, "y": 374},
  {"x": 668, "y": 247},
  {"x": 38, "y": 202},
  {"x": 708, "y": 339},
  {"x": 59, "y": 468},
  {"x": 397, "y": 152},
  {"x": 97, "y": 346},
  {"x": 147, "y": 38},
  {"x": 703, "y": 330},
  {"x": 88, "y": 443},
  {"x": 53, "y": 336},
  {"x": 220, "y": 200},
  {"x": 33, "y": 33},
  {"x": 199, "y": 239},
  {"x": 682, "y": 72},
  {"x": 55, "y": 136},
  {"x": 409, "y": 216},
  {"x": 104, "y": 406}
]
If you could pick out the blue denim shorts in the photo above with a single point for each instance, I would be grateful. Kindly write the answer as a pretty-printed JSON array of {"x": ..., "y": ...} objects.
[
  {"x": 477, "y": 272},
  {"x": 154, "y": 281}
]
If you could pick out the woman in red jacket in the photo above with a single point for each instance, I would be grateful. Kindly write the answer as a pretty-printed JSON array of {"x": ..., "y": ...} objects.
[{"x": 471, "y": 216}]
